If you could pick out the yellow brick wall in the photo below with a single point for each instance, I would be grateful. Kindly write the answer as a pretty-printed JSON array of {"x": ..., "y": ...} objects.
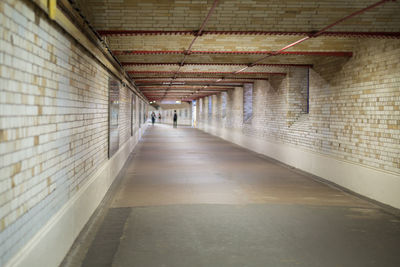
[
  {"x": 53, "y": 121},
  {"x": 215, "y": 58},
  {"x": 354, "y": 108},
  {"x": 362, "y": 99},
  {"x": 236, "y": 15},
  {"x": 226, "y": 42}
]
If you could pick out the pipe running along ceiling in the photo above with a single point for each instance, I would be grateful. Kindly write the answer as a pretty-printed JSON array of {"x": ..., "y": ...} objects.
[{"x": 183, "y": 51}]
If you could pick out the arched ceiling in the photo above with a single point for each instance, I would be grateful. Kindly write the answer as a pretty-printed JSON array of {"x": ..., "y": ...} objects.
[{"x": 172, "y": 51}]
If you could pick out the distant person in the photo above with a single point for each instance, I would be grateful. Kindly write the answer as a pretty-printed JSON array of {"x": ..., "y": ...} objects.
[
  {"x": 153, "y": 117},
  {"x": 159, "y": 117},
  {"x": 175, "y": 119}
]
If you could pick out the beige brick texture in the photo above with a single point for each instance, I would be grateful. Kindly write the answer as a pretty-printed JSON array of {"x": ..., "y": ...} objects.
[
  {"x": 226, "y": 42},
  {"x": 235, "y": 15},
  {"x": 354, "y": 110},
  {"x": 53, "y": 121}
]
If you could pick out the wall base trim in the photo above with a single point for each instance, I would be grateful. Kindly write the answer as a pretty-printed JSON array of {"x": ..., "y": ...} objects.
[
  {"x": 50, "y": 244},
  {"x": 381, "y": 186}
]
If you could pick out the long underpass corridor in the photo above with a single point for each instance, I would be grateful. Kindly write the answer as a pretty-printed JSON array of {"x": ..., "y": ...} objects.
[
  {"x": 187, "y": 198},
  {"x": 286, "y": 150}
]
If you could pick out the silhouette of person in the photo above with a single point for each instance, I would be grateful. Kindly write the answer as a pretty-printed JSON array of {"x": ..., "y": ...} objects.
[
  {"x": 153, "y": 117},
  {"x": 175, "y": 119}
]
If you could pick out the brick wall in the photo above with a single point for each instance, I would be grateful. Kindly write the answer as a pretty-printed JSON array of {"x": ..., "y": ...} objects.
[
  {"x": 354, "y": 108},
  {"x": 53, "y": 121},
  {"x": 273, "y": 15},
  {"x": 360, "y": 118}
]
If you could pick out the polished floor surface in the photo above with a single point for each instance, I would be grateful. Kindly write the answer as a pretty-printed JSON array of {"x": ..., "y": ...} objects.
[{"x": 187, "y": 198}]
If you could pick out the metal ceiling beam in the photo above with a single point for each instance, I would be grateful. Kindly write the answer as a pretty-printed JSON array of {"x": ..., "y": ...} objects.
[
  {"x": 184, "y": 98},
  {"x": 228, "y": 83},
  {"x": 212, "y": 64},
  {"x": 379, "y": 35},
  {"x": 200, "y": 85},
  {"x": 193, "y": 79},
  {"x": 195, "y": 85},
  {"x": 183, "y": 93},
  {"x": 205, "y": 72},
  {"x": 159, "y": 99},
  {"x": 186, "y": 91},
  {"x": 179, "y": 95},
  {"x": 171, "y": 93},
  {"x": 269, "y": 53},
  {"x": 153, "y": 88}
]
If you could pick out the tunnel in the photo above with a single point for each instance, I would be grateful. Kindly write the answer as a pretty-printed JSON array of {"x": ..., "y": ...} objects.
[{"x": 185, "y": 133}]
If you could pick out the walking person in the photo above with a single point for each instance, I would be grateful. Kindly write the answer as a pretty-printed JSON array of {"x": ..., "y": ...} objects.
[
  {"x": 153, "y": 117},
  {"x": 159, "y": 117},
  {"x": 175, "y": 119}
]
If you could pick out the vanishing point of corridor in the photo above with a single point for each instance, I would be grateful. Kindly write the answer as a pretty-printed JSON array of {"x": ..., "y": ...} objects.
[{"x": 187, "y": 198}]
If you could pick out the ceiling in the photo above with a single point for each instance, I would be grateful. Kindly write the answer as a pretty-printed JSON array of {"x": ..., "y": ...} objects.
[{"x": 173, "y": 52}]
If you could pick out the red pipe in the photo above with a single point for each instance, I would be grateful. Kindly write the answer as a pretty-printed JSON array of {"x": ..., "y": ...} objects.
[
  {"x": 337, "y": 34},
  {"x": 185, "y": 91},
  {"x": 214, "y": 64},
  {"x": 332, "y": 25},
  {"x": 269, "y": 53},
  {"x": 280, "y": 51},
  {"x": 182, "y": 80},
  {"x": 151, "y": 88},
  {"x": 350, "y": 16},
  {"x": 203, "y": 72},
  {"x": 135, "y": 32},
  {"x": 178, "y": 95},
  {"x": 170, "y": 93},
  {"x": 161, "y": 100},
  {"x": 188, "y": 51},
  {"x": 315, "y": 53},
  {"x": 207, "y": 18},
  {"x": 139, "y": 80},
  {"x": 182, "y": 94},
  {"x": 135, "y": 52}
]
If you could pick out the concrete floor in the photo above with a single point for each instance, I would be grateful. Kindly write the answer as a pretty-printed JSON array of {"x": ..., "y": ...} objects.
[{"x": 186, "y": 198}]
